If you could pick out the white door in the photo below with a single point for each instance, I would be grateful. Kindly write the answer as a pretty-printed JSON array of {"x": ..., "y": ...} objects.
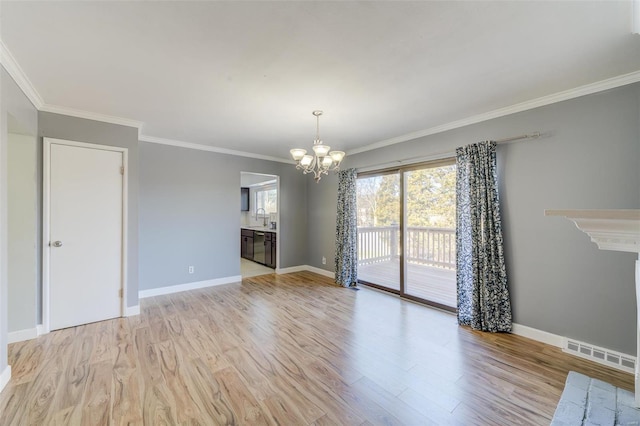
[{"x": 85, "y": 235}]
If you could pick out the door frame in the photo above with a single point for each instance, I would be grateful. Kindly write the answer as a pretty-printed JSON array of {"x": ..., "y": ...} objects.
[{"x": 46, "y": 218}]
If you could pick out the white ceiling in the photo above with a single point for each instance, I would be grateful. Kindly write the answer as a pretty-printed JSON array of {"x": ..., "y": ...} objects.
[{"x": 246, "y": 75}]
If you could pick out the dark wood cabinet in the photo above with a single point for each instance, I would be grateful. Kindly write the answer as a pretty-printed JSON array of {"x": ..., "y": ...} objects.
[
  {"x": 247, "y": 247},
  {"x": 270, "y": 249},
  {"x": 244, "y": 199},
  {"x": 246, "y": 243}
]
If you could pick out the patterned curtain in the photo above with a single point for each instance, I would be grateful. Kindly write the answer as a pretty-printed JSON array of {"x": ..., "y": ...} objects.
[
  {"x": 346, "y": 230},
  {"x": 483, "y": 296}
]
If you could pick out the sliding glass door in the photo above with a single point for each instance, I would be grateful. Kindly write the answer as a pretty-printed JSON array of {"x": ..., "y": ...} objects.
[
  {"x": 406, "y": 232},
  {"x": 378, "y": 200},
  {"x": 430, "y": 234}
]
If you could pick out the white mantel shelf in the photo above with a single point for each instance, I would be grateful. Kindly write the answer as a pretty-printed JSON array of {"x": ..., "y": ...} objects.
[{"x": 617, "y": 230}]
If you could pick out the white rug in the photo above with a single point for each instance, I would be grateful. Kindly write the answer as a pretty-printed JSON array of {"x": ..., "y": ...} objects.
[{"x": 587, "y": 401}]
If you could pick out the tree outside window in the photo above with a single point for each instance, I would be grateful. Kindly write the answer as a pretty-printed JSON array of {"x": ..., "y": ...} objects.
[{"x": 267, "y": 199}]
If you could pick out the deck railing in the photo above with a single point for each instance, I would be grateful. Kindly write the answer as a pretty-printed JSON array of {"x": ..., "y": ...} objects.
[{"x": 424, "y": 245}]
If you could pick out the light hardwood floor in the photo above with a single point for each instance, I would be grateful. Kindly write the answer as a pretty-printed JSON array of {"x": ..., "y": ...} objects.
[{"x": 286, "y": 349}]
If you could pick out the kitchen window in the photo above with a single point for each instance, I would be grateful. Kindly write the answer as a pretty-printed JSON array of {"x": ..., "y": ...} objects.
[{"x": 267, "y": 199}]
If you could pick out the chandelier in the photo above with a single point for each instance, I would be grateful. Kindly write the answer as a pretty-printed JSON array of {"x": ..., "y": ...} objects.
[{"x": 323, "y": 160}]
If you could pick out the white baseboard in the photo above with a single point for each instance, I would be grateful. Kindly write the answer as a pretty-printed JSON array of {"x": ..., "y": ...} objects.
[
  {"x": 608, "y": 357},
  {"x": 41, "y": 330},
  {"x": 291, "y": 269},
  {"x": 309, "y": 268},
  {"x": 5, "y": 377},
  {"x": 131, "y": 311},
  {"x": 22, "y": 335},
  {"x": 538, "y": 335},
  {"x": 188, "y": 286},
  {"x": 321, "y": 271}
]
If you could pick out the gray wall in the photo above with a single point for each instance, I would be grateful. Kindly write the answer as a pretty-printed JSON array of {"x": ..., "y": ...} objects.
[
  {"x": 89, "y": 131},
  {"x": 23, "y": 231},
  {"x": 190, "y": 214},
  {"x": 14, "y": 102},
  {"x": 589, "y": 159}
]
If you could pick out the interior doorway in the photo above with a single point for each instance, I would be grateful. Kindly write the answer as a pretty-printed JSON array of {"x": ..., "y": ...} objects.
[
  {"x": 259, "y": 223},
  {"x": 406, "y": 232}
]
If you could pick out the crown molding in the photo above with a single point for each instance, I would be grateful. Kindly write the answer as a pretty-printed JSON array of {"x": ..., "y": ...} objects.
[
  {"x": 200, "y": 147},
  {"x": 20, "y": 77},
  {"x": 91, "y": 115},
  {"x": 587, "y": 89},
  {"x": 15, "y": 71}
]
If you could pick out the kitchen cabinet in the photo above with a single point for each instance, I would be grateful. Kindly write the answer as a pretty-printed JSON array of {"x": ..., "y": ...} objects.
[
  {"x": 270, "y": 249},
  {"x": 244, "y": 199},
  {"x": 258, "y": 246},
  {"x": 246, "y": 243}
]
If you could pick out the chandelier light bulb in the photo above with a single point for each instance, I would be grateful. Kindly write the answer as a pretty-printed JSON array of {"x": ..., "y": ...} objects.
[
  {"x": 326, "y": 162},
  {"x": 337, "y": 156},
  {"x": 298, "y": 153},
  {"x": 306, "y": 160},
  {"x": 321, "y": 150}
]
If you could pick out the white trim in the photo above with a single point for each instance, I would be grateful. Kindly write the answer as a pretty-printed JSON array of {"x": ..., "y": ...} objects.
[
  {"x": 40, "y": 330},
  {"x": 46, "y": 196},
  {"x": 562, "y": 342},
  {"x": 537, "y": 335},
  {"x": 124, "y": 249},
  {"x": 188, "y": 286},
  {"x": 72, "y": 112},
  {"x": 22, "y": 335},
  {"x": 587, "y": 89},
  {"x": 5, "y": 377},
  {"x": 321, "y": 271},
  {"x": 617, "y": 230},
  {"x": 190, "y": 145},
  {"x": 16, "y": 72},
  {"x": 309, "y": 268},
  {"x": 291, "y": 269},
  {"x": 132, "y": 311},
  {"x": 407, "y": 161}
]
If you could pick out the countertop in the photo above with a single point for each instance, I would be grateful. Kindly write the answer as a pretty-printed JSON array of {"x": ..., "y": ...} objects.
[{"x": 259, "y": 229}]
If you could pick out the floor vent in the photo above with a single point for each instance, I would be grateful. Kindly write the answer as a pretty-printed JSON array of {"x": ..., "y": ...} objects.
[{"x": 600, "y": 355}]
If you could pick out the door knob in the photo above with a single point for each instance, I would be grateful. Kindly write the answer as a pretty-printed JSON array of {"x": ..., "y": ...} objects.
[{"x": 57, "y": 244}]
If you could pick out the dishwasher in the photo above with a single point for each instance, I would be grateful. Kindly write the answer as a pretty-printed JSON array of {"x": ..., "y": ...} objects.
[{"x": 258, "y": 247}]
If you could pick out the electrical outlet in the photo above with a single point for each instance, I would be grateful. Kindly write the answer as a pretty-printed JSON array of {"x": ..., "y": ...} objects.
[
  {"x": 191, "y": 269},
  {"x": 324, "y": 260}
]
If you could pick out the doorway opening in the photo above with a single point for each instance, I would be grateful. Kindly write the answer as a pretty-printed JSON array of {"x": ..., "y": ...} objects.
[
  {"x": 259, "y": 223},
  {"x": 407, "y": 232}
]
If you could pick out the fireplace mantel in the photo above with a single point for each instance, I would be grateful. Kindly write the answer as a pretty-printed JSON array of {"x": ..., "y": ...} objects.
[{"x": 617, "y": 230}]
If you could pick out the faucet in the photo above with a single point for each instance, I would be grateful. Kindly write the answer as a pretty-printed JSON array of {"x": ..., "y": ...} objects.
[{"x": 264, "y": 223}]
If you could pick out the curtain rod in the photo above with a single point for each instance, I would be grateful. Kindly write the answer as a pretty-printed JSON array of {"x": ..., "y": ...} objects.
[
  {"x": 439, "y": 155},
  {"x": 533, "y": 135}
]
